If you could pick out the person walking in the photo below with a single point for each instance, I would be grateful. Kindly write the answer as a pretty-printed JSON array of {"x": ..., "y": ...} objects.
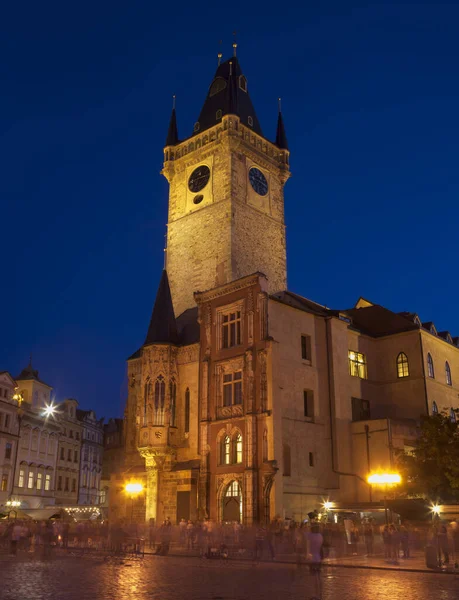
[
  {"x": 368, "y": 534},
  {"x": 443, "y": 545},
  {"x": 386, "y": 541},
  {"x": 315, "y": 543},
  {"x": 16, "y": 531}
]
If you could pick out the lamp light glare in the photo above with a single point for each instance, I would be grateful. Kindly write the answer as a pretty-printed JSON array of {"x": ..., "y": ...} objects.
[
  {"x": 384, "y": 478},
  {"x": 133, "y": 488},
  {"x": 435, "y": 509},
  {"x": 49, "y": 410},
  {"x": 328, "y": 505}
]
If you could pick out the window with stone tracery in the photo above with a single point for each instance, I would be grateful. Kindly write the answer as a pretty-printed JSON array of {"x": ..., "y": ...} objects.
[
  {"x": 238, "y": 448},
  {"x": 226, "y": 450},
  {"x": 231, "y": 329},
  {"x": 187, "y": 410},
  {"x": 173, "y": 395},
  {"x": 232, "y": 388},
  {"x": 160, "y": 397}
]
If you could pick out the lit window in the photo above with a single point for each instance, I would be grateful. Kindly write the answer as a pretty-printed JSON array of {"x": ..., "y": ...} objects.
[
  {"x": 226, "y": 450},
  {"x": 232, "y": 388},
  {"x": 238, "y": 448},
  {"x": 160, "y": 396},
  {"x": 30, "y": 480},
  {"x": 21, "y": 479},
  {"x": 449, "y": 380},
  {"x": 430, "y": 366},
  {"x": 233, "y": 490},
  {"x": 402, "y": 365},
  {"x": 4, "y": 485},
  {"x": 434, "y": 408},
  {"x": 357, "y": 364},
  {"x": 47, "y": 482},
  {"x": 39, "y": 480},
  {"x": 231, "y": 329}
]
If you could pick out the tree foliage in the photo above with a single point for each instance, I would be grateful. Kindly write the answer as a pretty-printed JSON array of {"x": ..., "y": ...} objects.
[{"x": 432, "y": 469}]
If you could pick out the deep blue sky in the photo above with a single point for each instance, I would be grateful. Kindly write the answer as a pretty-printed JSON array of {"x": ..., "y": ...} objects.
[{"x": 370, "y": 99}]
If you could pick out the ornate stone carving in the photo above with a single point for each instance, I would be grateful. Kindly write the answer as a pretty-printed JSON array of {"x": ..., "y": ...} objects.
[
  {"x": 262, "y": 356},
  {"x": 228, "y": 412}
]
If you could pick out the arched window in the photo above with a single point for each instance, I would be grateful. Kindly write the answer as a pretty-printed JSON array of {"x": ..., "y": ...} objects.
[
  {"x": 287, "y": 460},
  {"x": 173, "y": 395},
  {"x": 160, "y": 394},
  {"x": 238, "y": 448},
  {"x": 434, "y": 408},
  {"x": 265, "y": 445},
  {"x": 449, "y": 381},
  {"x": 452, "y": 415},
  {"x": 402, "y": 365},
  {"x": 226, "y": 451},
  {"x": 187, "y": 411},
  {"x": 430, "y": 366},
  {"x": 146, "y": 395}
]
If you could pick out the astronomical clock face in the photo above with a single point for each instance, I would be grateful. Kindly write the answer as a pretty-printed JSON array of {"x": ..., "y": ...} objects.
[
  {"x": 258, "y": 181},
  {"x": 199, "y": 178}
]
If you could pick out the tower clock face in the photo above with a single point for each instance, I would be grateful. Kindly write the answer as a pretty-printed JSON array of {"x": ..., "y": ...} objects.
[
  {"x": 199, "y": 178},
  {"x": 258, "y": 181}
]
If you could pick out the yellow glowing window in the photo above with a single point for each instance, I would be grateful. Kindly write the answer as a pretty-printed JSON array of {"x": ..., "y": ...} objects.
[
  {"x": 226, "y": 450},
  {"x": 403, "y": 369},
  {"x": 238, "y": 443},
  {"x": 357, "y": 364}
]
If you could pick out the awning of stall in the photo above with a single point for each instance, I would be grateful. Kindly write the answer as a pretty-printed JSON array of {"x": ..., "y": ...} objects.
[{"x": 43, "y": 514}]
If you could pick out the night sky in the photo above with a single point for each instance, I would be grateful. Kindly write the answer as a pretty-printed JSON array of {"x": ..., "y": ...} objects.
[{"x": 370, "y": 101}]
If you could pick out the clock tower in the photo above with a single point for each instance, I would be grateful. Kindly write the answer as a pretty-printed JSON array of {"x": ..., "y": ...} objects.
[{"x": 226, "y": 194}]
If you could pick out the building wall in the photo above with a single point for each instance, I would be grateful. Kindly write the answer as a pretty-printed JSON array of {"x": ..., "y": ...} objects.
[
  {"x": 445, "y": 396},
  {"x": 9, "y": 429},
  {"x": 91, "y": 458},
  {"x": 68, "y": 456}
]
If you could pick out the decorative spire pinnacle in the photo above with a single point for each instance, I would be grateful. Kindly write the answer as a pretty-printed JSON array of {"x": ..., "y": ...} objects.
[
  {"x": 281, "y": 137},
  {"x": 219, "y": 55},
  {"x": 234, "y": 44},
  {"x": 172, "y": 134}
]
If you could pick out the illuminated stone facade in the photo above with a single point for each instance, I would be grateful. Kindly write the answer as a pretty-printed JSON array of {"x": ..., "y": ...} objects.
[{"x": 254, "y": 401}]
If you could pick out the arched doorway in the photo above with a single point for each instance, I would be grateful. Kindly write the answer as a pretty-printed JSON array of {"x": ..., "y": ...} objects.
[{"x": 232, "y": 503}]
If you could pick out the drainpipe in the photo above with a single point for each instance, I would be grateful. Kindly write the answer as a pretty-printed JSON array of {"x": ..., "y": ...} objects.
[
  {"x": 331, "y": 400},
  {"x": 424, "y": 372}
]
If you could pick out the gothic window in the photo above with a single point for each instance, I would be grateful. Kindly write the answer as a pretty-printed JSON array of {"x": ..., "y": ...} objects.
[
  {"x": 21, "y": 478},
  {"x": 287, "y": 460},
  {"x": 217, "y": 86},
  {"x": 146, "y": 396},
  {"x": 173, "y": 395},
  {"x": 39, "y": 480},
  {"x": 237, "y": 442},
  {"x": 232, "y": 388},
  {"x": 187, "y": 411},
  {"x": 250, "y": 121},
  {"x": 47, "y": 482},
  {"x": 243, "y": 83},
  {"x": 449, "y": 380},
  {"x": 265, "y": 445},
  {"x": 30, "y": 480},
  {"x": 357, "y": 364},
  {"x": 434, "y": 408},
  {"x": 160, "y": 395},
  {"x": 218, "y": 114},
  {"x": 226, "y": 450},
  {"x": 231, "y": 329},
  {"x": 430, "y": 366},
  {"x": 403, "y": 369}
]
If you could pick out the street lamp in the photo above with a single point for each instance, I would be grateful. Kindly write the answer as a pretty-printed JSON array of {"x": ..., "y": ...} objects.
[
  {"x": 49, "y": 410},
  {"x": 133, "y": 489},
  {"x": 384, "y": 480}
]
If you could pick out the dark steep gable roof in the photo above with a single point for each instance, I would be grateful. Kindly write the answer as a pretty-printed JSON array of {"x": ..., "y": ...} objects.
[
  {"x": 295, "y": 301},
  {"x": 378, "y": 321},
  {"x": 163, "y": 328}
]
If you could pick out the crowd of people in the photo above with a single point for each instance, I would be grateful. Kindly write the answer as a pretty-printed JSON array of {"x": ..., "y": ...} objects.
[{"x": 208, "y": 538}]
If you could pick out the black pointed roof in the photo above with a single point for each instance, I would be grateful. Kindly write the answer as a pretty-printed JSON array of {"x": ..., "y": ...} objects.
[
  {"x": 163, "y": 328},
  {"x": 29, "y": 373},
  {"x": 172, "y": 133},
  {"x": 228, "y": 93},
  {"x": 281, "y": 137}
]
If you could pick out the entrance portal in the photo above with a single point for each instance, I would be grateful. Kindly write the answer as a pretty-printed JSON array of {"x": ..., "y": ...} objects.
[{"x": 232, "y": 503}]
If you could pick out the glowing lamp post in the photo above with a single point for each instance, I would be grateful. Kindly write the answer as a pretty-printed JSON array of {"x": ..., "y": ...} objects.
[
  {"x": 384, "y": 480},
  {"x": 13, "y": 505},
  {"x": 133, "y": 489}
]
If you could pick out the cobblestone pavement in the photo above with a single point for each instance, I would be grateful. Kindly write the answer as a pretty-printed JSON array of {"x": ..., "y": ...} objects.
[{"x": 176, "y": 578}]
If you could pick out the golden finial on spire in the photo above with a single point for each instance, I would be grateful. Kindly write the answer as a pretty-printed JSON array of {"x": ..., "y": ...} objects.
[
  {"x": 279, "y": 104},
  {"x": 219, "y": 55},
  {"x": 234, "y": 44},
  {"x": 173, "y": 102}
]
